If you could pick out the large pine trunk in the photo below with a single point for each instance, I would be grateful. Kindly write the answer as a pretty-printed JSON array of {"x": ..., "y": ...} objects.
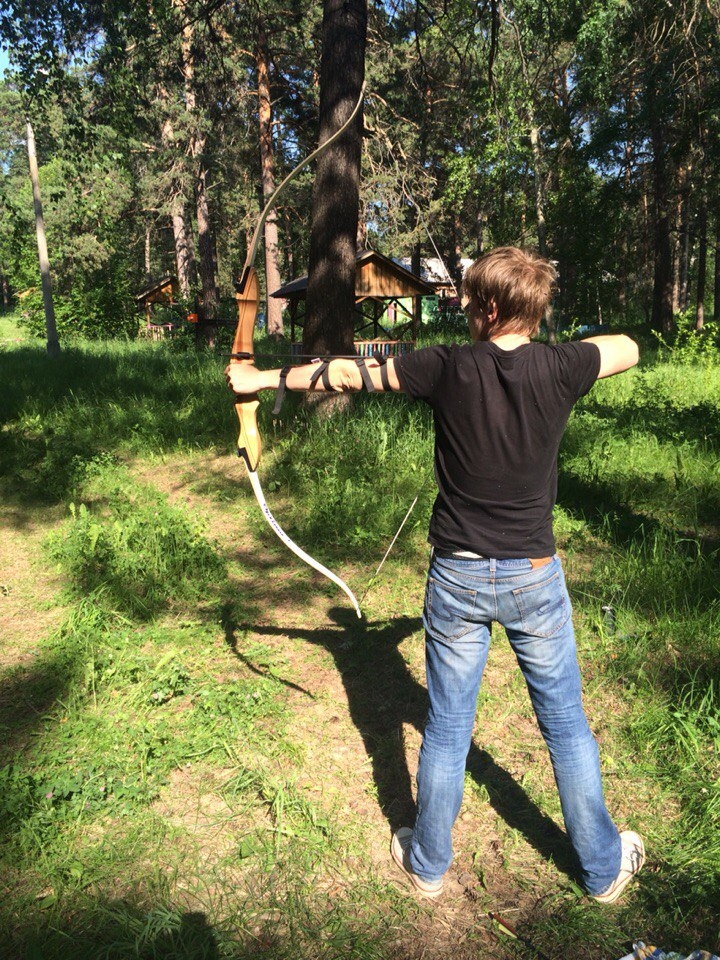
[
  {"x": 184, "y": 246},
  {"x": 329, "y": 323},
  {"x": 210, "y": 297},
  {"x": 662, "y": 301},
  {"x": 206, "y": 246}
]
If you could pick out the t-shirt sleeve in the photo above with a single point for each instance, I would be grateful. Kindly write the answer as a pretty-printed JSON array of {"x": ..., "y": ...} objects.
[
  {"x": 420, "y": 372},
  {"x": 579, "y": 366}
]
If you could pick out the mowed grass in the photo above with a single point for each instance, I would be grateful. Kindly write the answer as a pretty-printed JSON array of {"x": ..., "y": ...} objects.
[{"x": 161, "y": 796}]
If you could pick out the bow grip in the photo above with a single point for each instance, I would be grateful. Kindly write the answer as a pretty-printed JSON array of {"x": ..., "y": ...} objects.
[{"x": 249, "y": 442}]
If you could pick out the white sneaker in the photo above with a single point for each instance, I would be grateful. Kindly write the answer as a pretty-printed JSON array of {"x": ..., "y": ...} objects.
[
  {"x": 399, "y": 848},
  {"x": 633, "y": 857}
]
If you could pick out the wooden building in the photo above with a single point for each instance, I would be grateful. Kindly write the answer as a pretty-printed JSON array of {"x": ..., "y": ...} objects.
[
  {"x": 164, "y": 292},
  {"x": 382, "y": 289}
]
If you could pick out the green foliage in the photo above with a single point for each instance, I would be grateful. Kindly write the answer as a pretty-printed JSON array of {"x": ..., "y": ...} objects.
[
  {"x": 692, "y": 346},
  {"x": 139, "y": 556},
  {"x": 96, "y": 313}
]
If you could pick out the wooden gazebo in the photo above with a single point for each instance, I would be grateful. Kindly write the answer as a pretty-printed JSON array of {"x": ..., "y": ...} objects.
[
  {"x": 165, "y": 292},
  {"x": 381, "y": 286}
]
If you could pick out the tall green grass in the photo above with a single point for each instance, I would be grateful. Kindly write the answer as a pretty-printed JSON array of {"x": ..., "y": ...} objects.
[{"x": 150, "y": 673}]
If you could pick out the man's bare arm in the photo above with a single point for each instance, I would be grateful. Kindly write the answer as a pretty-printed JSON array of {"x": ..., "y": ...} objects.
[
  {"x": 617, "y": 353},
  {"x": 343, "y": 374}
]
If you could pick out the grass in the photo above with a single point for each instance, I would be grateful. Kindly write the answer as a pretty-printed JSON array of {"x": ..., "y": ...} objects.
[
  {"x": 10, "y": 330},
  {"x": 203, "y": 757}
]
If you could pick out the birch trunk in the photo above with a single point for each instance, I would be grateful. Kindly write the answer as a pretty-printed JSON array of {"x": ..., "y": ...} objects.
[
  {"x": 53, "y": 344},
  {"x": 702, "y": 266}
]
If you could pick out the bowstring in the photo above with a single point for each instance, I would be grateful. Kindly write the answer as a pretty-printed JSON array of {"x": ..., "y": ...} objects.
[{"x": 450, "y": 280}]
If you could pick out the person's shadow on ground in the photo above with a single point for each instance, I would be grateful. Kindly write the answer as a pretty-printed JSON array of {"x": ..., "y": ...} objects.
[{"x": 383, "y": 696}]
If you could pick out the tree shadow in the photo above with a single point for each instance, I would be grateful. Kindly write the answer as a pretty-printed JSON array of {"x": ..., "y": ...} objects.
[
  {"x": 26, "y": 696},
  {"x": 383, "y": 697},
  {"x": 118, "y": 929}
]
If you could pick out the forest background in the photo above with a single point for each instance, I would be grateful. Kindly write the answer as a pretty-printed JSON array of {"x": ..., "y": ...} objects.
[{"x": 586, "y": 129}]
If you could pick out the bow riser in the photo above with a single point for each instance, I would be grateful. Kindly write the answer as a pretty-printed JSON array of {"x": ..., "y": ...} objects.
[{"x": 248, "y": 299}]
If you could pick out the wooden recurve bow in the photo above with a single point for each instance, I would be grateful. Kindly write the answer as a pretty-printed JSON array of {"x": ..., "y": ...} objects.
[{"x": 247, "y": 296}]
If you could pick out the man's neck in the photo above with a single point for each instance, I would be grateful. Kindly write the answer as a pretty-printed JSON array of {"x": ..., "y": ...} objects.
[{"x": 509, "y": 341}]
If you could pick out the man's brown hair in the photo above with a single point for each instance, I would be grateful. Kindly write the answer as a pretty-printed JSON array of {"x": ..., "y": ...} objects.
[{"x": 517, "y": 282}]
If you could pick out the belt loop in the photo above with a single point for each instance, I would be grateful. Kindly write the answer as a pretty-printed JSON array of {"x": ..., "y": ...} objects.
[{"x": 493, "y": 565}]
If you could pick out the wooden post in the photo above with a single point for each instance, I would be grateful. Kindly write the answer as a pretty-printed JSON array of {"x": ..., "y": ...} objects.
[{"x": 417, "y": 315}]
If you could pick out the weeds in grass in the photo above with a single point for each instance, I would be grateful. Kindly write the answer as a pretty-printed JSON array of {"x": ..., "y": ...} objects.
[{"x": 134, "y": 552}]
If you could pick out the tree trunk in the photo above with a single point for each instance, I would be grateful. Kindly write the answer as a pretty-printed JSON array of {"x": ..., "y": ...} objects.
[
  {"x": 210, "y": 295},
  {"x": 267, "y": 164},
  {"x": 415, "y": 218},
  {"x": 683, "y": 245},
  {"x": 662, "y": 312},
  {"x": 538, "y": 165},
  {"x": 184, "y": 246},
  {"x": 148, "y": 254},
  {"x": 628, "y": 163},
  {"x": 53, "y": 344},
  {"x": 210, "y": 298},
  {"x": 182, "y": 232},
  {"x": 680, "y": 243},
  {"x": 702, "y": 265},
  {"x": 329, "y": 324},
  {"x": 716, "y": 282},
  {"x": 540, "y": 204}
]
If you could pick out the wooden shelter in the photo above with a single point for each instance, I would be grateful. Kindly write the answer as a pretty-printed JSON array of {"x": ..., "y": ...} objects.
[
  {"x": 164, "y": 292},
  {"x": 381, "y": 286}
]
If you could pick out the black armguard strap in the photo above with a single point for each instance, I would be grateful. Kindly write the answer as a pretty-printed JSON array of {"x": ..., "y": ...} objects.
[
  {"x": 383, "y": 369},
  {"x": 241, "y": 356},
  {"x": 365, "y": 374},
  {"x": 322, "y": 371},
  {"x": 280, "y": 391}
]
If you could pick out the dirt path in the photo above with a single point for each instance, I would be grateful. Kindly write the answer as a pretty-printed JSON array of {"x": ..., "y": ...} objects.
[
  {"x": 358, "y": 693},
  {"x": 358, "y": 696}
]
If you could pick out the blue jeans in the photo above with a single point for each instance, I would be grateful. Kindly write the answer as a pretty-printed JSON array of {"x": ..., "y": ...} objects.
[{"x": 462, "y": 599}]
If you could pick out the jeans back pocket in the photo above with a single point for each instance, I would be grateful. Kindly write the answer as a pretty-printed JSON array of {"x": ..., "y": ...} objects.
[
  {"x": 448, "y": 610},
  {"x": 544, "y": 607}
]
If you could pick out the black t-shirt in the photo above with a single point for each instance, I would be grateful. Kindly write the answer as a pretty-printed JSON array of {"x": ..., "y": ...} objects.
[{"x": 499, "y": 417}]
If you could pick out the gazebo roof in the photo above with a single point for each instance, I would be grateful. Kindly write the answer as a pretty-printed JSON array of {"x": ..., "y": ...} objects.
[
  {"x": 158, "y": 288},
  {"x": 376, "y": 276}
]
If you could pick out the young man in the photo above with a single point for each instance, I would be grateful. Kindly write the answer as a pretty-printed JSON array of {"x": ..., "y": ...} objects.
[{"x": 500, "y": 407}]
